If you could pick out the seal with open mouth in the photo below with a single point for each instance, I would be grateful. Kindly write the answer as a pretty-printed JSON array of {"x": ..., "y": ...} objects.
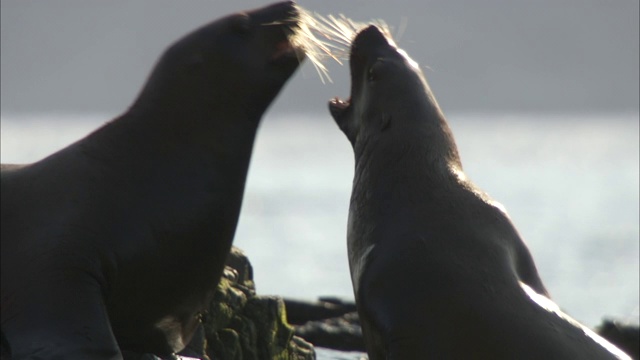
[
  {"x": 438, "y": 269},
  {"x": 118, "y": 241}
]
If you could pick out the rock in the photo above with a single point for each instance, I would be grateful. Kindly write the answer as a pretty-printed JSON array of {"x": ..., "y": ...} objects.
[
  {"x": 329, "y": 322},
  {"x": 243, "y": 326},
  {"x": 339, "y": 333},
  {"x": 300, "y": 312}
]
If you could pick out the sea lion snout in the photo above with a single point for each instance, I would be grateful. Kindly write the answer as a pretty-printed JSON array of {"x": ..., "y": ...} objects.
[
  {"x": 279, "y": 22},
  {"x": 279, "y": 15},
  {"x": 284, "y": 15},
  {"x": 283, "y": 12},
  {"x": 369, "y": 41},
  {"x": 373, "y": 53},
  {"x": 370, "y": 47},
  {"x": 369, "y": 34}
]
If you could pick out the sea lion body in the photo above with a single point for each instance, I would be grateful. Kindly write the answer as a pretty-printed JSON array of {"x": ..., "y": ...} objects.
[
  {"x": 438, "y": 269},
  {"x": 118, "y": 241}
]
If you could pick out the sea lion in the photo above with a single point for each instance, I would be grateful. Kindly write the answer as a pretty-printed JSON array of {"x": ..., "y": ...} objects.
[
  {"x": 438, "y": 269},
  {"x": 117, "y": 241}
]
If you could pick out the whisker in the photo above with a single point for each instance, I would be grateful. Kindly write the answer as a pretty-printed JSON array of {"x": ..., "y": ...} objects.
[
  {"x": 328, "y": 37},
  {"x": 404, "y": 23}
]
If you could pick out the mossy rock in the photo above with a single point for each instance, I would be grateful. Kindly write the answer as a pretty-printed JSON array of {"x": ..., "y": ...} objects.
[{"x": 243, "y": 326}]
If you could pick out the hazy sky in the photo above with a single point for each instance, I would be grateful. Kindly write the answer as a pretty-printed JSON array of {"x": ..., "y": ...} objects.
[{"x": 489, "y": 55}]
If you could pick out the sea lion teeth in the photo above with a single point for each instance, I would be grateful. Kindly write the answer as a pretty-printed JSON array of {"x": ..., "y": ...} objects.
[{"x": 340, "y": 104}]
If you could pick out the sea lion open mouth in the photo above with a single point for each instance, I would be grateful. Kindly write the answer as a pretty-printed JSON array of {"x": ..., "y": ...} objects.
[
  {"x": 338, "y": 106},
  {"x": 364, "y": 48}
]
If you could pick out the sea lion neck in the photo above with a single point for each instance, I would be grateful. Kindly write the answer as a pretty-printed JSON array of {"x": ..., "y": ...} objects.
[
  {"x": 425, "y": 144},
  {"x": 167, "y": 93},
  {"x": 142, "y": 133}
]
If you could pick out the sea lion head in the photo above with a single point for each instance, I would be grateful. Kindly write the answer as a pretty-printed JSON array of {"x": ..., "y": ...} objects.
[
  {"x": 389, "y": 93},
  {"x": 239, "y": 62}
]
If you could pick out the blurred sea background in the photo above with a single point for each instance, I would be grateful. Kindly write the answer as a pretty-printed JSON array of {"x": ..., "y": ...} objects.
[{"x": 542, "y": 98}]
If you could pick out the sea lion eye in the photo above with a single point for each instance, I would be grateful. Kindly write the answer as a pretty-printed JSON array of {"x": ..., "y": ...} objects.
[
  {"x": 374, "y": 71},
  {"x": 371, "y": 75}
]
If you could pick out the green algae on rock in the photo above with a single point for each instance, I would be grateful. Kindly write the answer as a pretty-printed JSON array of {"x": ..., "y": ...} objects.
[{"x": 241, "y": 325}]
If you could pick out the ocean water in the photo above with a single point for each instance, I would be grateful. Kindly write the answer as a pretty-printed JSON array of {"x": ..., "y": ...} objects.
[{"x": 570, "y": 183}]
